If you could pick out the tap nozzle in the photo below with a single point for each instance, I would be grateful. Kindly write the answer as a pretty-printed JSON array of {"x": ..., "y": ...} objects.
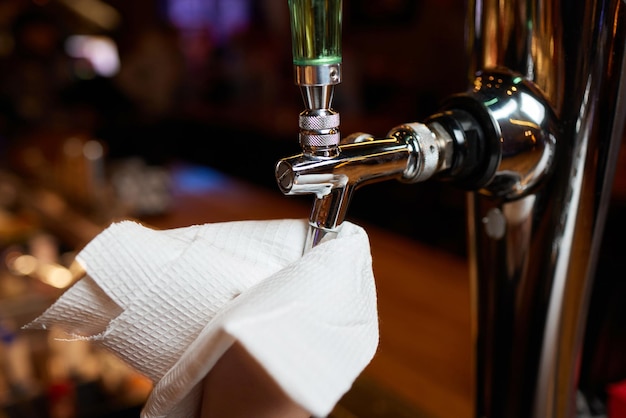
[
  {"x": 410, "y": 153},
  {"x": 448, "y": 146}
]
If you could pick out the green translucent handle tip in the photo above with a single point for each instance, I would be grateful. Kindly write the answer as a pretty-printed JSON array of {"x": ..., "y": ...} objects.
[{"x": 316, "y": 31}]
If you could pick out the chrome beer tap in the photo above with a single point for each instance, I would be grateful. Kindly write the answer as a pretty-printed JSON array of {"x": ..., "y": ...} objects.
[
  {"x": 331, "y": 168},
  {"x": 534, "y": 140}
]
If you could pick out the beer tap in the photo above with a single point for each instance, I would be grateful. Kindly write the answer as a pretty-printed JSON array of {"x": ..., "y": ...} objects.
[{"x": 449, "y": 144}]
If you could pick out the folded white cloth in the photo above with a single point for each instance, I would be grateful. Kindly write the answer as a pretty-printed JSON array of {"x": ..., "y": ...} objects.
[{"x": 171, "y": 302}]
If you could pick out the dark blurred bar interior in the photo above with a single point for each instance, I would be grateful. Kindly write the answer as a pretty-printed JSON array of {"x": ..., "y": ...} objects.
[{"x": 106, "y": 107}]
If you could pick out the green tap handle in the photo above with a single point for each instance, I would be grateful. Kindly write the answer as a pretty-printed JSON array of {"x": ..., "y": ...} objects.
[{"x": 316, "y": 32}]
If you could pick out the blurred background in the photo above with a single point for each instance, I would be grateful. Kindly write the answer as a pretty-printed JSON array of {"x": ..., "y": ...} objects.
[{"x": 107, "y": 106}]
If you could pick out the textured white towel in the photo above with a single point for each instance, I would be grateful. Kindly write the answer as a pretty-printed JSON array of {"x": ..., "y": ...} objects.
[{"x": 171, "y": 302}]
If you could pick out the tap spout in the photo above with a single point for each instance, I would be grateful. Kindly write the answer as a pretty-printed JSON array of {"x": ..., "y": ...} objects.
[
  {"x": 410, "y": 153},
  {"x": 333, "y": 180}
]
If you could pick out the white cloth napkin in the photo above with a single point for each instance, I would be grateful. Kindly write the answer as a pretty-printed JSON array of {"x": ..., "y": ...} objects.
[{"x": 171, "y": 302}]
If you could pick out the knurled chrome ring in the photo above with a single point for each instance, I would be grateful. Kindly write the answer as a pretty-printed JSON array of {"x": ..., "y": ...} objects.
[
  {"x": 319, "y": 122},
  {"x": 429, "y": 150},
  {"x": 319, "y": 140},
  {"x": 424, "y": 150}
]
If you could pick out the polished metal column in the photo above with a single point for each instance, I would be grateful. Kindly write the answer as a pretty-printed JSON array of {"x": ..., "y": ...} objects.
[{"x": 533, "y": 253}]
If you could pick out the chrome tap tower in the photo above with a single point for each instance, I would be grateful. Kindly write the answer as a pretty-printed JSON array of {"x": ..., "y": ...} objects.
[
  {"x": 534, "y": 140},
  {"x": 533, "y": 254}
]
